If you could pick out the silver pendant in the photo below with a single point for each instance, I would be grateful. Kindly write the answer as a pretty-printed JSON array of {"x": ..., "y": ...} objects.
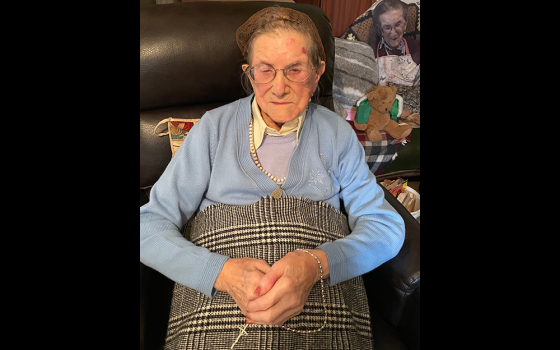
[{"x": 277, "y": 193}]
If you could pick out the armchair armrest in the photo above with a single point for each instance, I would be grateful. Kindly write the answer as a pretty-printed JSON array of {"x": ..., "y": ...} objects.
[{"x": 390, "y": 286}]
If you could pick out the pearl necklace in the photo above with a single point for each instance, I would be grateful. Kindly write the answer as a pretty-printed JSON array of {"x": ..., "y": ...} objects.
[{"x": 277, "y": 193}]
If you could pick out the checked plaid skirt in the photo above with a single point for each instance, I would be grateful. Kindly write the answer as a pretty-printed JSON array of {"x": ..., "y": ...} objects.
[{"x": 268, "y": 230}]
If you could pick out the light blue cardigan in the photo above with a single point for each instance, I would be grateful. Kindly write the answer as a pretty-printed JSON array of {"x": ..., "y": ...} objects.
[{"x": 214, "y": 165}]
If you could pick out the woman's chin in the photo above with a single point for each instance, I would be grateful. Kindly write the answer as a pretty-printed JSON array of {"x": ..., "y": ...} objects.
[
  {"x": 394, "y": 43},
  {"x": 281, "y": 114}
]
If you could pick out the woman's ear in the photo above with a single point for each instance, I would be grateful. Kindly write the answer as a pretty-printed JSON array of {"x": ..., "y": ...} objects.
[
  {"x": 320, "y": 71},
  {"x": 244, "y": 68}
]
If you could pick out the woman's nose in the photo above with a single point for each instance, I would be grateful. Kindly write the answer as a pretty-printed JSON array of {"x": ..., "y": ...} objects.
[{"x": 279, "y": 83}]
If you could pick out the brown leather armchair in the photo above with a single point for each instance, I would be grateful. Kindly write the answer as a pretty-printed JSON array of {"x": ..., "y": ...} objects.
[{"x": 190, "y": 63}]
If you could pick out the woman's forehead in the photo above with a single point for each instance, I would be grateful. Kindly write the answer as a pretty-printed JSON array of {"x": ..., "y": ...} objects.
[
  {"x": 281, "y": 44},
  {"x": 282, "y": 37},
  {"x": 391, "y": 17}
]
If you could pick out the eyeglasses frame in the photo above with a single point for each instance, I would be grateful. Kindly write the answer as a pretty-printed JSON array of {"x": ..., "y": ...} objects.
[{"x": 248, "y": 68}]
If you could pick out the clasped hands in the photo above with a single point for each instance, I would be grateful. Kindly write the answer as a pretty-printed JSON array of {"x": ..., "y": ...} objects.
[{"x": 271, "y": 294}]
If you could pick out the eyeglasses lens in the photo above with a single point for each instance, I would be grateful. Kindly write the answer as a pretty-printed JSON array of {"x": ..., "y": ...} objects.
[{"x": 264, "y": 73}]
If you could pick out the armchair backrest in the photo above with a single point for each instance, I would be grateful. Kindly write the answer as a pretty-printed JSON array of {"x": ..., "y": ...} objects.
[{"x": 190, "y": 63}]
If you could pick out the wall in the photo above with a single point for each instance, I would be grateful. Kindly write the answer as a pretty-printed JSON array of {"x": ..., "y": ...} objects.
[{"x": 341, "y": 13}]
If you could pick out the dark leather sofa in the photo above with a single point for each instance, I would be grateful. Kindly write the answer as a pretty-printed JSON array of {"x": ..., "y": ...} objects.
[{"x": 190, "y": 63}]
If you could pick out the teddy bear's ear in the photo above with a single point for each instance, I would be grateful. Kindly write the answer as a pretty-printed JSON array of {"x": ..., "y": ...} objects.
[
  {"x": 394, "y": 88},
  {"x": 373, "y": 95}
]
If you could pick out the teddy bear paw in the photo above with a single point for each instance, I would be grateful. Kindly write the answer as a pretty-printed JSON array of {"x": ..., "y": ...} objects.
[{"x": 374, "y": 135}]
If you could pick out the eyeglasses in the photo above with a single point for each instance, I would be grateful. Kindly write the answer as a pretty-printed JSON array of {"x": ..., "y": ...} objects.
[
  {"x": 400, "y": 25},
  {"x": 264, "y": 73}
]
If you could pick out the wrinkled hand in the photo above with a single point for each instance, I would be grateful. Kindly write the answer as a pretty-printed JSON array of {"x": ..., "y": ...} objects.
[
  {"x": 240, "y": 277},
  {"x": 285, "y": 287}
]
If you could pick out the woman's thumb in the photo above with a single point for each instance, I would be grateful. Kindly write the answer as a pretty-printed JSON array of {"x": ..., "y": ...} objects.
[{"x": 268, "y": 281}]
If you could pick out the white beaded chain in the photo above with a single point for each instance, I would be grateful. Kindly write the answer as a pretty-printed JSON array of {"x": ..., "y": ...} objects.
[
  {"x": 256, "y": 159},
  {"x": 322, "y": 297}
]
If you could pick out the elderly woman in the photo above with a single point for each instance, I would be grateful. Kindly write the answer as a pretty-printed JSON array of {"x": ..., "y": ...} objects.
[
  {"x": 389, "y": 24},
  {"x": 272, "y": 261}
]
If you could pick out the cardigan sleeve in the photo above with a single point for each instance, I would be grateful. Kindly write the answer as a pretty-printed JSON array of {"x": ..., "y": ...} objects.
[
  {"x": 377, "y": 230},
  {"x": 174, "y": 198}
]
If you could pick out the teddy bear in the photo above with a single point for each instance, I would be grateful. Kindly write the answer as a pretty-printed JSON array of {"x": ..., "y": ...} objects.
[{"x": 381, "y": 100}]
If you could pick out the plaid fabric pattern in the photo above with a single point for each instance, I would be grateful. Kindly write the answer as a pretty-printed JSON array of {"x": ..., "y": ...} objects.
[
  {"x": 268, "y": 230},
  {"x": 379, "y": 155}
]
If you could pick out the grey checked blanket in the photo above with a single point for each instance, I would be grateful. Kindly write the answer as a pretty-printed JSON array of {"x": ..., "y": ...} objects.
[
  {"x": 268, "y": 230},
  {"x": 355, "y": 71}
]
